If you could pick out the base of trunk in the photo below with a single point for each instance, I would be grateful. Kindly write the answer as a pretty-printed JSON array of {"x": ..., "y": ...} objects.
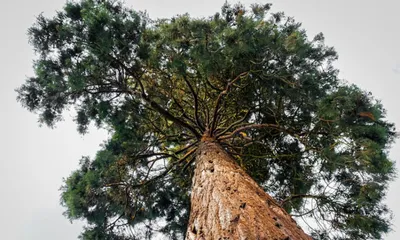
[{"x": 226, "y": 203}]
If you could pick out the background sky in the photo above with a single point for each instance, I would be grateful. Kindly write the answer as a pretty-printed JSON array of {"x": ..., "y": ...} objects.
[{"x": 34, "y": 160}]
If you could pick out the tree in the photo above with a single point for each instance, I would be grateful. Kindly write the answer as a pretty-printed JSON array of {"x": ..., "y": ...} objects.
[{"x": 242, "y": 103}]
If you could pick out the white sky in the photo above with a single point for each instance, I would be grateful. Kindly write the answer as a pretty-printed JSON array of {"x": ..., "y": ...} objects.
[{"x": 365, "y": 34}]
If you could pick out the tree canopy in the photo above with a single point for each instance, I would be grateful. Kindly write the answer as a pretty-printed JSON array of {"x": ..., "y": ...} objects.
[{"x": 249, "y": 78}]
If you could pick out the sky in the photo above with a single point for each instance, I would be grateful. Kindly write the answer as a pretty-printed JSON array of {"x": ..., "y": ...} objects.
[{"x": 35, "y": 159}]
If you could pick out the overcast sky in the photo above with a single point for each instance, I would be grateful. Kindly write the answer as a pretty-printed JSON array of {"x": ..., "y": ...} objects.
[{"x": 34, "y": 160}]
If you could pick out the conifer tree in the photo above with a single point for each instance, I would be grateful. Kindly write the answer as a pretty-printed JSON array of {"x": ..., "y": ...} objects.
[{"x": 225, "y": 127}]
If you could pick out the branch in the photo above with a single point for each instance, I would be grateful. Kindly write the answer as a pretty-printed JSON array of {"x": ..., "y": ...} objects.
[
  {"x": 290, "y": 198},
  {"x": 169, "y": 116},
  {"x": 303, "y": 214},
  {"x": 266, "y": 125},
  {"x": 151, "y": 155},
  {"x": 183, "y": 110},
  {"x": 153, "y": 104},
  {"x": 233, "y": 124},
  {"x": 144, "y": 183},
  {"x": 196, "y": 104},
  {"x": 111, "y": 225},
  {"x": 212, "y": 86},
  {"x": 165, "y": 113},
  {"x": 115, "y": 184},
  {"x": 219, "y": 99}
]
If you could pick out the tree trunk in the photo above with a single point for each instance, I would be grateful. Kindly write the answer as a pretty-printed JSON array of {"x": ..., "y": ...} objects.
[{"x": 226, "y": 203}]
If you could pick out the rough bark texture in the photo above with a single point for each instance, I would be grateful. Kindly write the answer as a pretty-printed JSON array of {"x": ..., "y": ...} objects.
[{"x": 226, "y": 203}]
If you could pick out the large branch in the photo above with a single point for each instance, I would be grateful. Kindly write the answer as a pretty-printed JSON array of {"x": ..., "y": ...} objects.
[
  {"x": 169, "y": 116},
  {"x": 183, "y": 110},
  {"x": 143, "y": 95},
  {"x": 219, "y": 99},
  {"x": 196, "y": 103},
  {"x": 233, "y": 125}
]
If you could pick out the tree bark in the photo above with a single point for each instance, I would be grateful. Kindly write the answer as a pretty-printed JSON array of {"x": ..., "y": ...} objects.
[{"x": 226, "y": 203}]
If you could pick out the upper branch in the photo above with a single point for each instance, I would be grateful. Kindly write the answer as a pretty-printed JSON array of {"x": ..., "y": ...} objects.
[
  {"x": 219, "y": 99},
  {"x": 143, "y": 95},
  {"x": 237, "y": 130},
  {"x": 233, "y": 124},
  {"x": 196, "y": 103}
]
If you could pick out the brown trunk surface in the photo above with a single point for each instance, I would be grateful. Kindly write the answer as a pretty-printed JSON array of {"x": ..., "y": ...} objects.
[{"x": 226, "y": 203}]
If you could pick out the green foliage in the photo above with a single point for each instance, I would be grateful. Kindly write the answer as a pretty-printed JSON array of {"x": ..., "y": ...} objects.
[{"x": 248, "y": 78}]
